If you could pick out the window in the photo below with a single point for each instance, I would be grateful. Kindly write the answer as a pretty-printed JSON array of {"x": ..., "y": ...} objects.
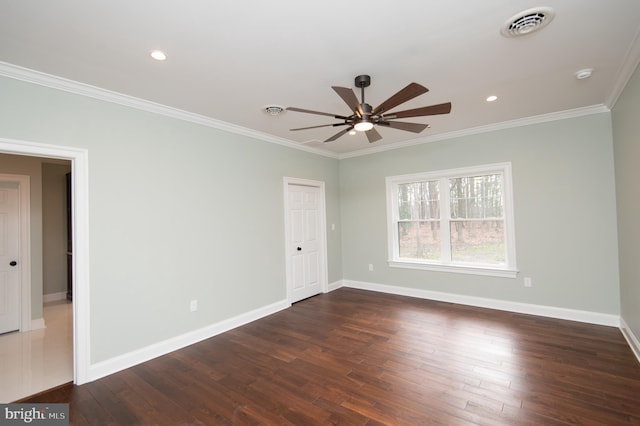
[{"x": 453, "y": 220}]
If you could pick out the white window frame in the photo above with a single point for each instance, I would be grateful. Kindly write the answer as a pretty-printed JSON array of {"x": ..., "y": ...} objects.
[{"x": 508, "y": 270}]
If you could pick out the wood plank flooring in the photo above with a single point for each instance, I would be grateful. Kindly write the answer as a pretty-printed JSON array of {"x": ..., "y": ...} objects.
[{"x": 354, "y": 357}]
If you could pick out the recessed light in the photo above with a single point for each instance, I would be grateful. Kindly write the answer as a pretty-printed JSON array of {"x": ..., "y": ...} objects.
[
  {"x": 352, "y": 132},
  {"x": 159, "y": 55},
  {"x": 585, "y": 73},
  {"x": 492, "y": 98}
]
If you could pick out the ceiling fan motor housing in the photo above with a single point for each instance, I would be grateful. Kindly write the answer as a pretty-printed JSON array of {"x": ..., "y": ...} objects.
[{"x": 363, "y": 81}]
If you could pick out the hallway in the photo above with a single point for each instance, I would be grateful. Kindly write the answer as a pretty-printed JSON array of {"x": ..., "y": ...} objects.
[{"x": 38, "y": 360}]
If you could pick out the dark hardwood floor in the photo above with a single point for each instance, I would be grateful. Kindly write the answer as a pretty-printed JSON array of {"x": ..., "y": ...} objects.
[{"x": 354, "y": 357}]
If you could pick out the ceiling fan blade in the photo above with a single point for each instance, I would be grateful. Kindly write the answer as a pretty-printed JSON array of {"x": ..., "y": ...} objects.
[
  {"x": 340, "y": 133},
  {"x": 373, "y": 135},
  {"x": 322, "y": 125},
  {"x": 409, "y": 127},
  {"x": 349, "y": 98},
  {"x": 411, "y": 91},
  {"x": 308, "y": 111},
  {"x": 421, "y": 112}
]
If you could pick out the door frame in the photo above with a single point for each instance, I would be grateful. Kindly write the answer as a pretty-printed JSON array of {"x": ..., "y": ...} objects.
[
  {"x": 80, "y": 226},
  {"x": 324, "y": 271},
  {"x": 24, "y": 251}
]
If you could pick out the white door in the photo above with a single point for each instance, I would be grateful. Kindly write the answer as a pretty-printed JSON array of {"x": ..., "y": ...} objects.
[
  {"x": 305, "y": 241},
  {"x": 9, "y": 262}
]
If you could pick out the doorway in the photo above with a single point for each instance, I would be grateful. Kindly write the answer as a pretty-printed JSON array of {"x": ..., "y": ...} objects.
[
  {"x": 36, "y": 318},
  {"x": 305, "y": 238},
  {"x": 79, "y": 224}
]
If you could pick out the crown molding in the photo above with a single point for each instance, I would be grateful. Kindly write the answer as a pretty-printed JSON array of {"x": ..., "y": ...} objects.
[
  {"x": 54, "y": 82},
  {"x": 536, "y": 119},
  {"x": 631, "y": 61},
  {"x": 36, "y": 77}
]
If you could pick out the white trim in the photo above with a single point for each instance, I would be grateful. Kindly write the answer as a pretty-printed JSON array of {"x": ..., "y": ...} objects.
[
  {"x": 335, "y": 285},
  {"x": 54, "y": 297},
  {"x": 324, "y": 268},
  {"x": 631, "y": 61},
  {"x": 24, "y": 256},
  {"x": 458, "y": 269},
  {"x": 59, "y": 83},
  {"x": 632, "y": 340},
  {"x": 121, "y": 362},
  {"x": 527, "y": 121},
  {"x": 508, "y": 270},
  {"x": 37, "y": 324},
  {"x": 80, "y": 225},
  {"x": 502, "y": 305}
]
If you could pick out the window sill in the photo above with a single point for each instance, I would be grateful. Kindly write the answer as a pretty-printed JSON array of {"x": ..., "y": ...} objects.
[{"x": 459, "y": 269}]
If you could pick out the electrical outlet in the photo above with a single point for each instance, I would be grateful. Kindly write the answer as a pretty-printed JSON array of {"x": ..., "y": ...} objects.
[
  {"x": 193, "y": 306},
  {"x": 527, "y": 281},
  {"x": 371, "y": 266}
]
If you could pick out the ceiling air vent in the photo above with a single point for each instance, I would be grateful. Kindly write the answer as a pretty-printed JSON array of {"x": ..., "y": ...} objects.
[
  {"x": 527, "y": 21},
  {"x": 273, "y": 109}
]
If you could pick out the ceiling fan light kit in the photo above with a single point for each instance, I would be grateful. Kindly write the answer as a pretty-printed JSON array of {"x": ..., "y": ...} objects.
[
  {"x": 363, "y": 126},
  {"x": 364, "y": 117}
]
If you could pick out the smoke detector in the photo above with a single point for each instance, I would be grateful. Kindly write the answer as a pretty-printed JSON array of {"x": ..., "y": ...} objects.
[
  {"x": 273, "y": 109},
  {"x": 527, "y": 21},
  {"x": 585, "y": 73}
]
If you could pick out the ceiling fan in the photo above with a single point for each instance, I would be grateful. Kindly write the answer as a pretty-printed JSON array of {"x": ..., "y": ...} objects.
[{"x": 364, "y": 117}]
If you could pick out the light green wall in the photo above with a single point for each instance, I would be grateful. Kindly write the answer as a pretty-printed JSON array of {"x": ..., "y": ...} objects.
[
  {"x": 32, "y": 167},
  {"x": 565, "y": 217},
  {"x": 626, "y": 142},
  {"x": 177, "y": 211}
]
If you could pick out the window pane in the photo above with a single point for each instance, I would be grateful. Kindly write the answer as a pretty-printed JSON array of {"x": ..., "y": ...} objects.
[
  {"x": 419, "y": 240},
  {"x": 418, "y": 200},
  {"x": 478, "y": 241},
  {"x": 476, "y": 197}
]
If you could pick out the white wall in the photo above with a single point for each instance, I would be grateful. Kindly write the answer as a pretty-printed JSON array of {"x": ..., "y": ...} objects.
[{"x": 565, "y": 216}]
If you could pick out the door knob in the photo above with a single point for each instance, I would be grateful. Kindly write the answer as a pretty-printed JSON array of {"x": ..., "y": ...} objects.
[
  {"x": 299, "y": 248},
  {"x": 13, "y": 263}
]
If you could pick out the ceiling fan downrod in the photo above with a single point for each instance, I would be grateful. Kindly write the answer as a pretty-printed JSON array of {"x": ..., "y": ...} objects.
[
  {"x": 363, "y": 124},
  {"x": 362, "y": 81}
]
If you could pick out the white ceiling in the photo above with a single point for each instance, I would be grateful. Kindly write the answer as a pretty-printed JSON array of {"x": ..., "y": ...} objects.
[{"x": 228, "y": 60}]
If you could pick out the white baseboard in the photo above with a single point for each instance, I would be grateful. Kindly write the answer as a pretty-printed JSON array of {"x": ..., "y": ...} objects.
[
  {"x": 633, "y": 341},
  {"x": 37, "y": 324},
  {"x": 335, "y": 285},
  {"x": 130, "y": 359},
  {"x": 502, "y": 305},
  {"x": 54, "y": 297}
]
